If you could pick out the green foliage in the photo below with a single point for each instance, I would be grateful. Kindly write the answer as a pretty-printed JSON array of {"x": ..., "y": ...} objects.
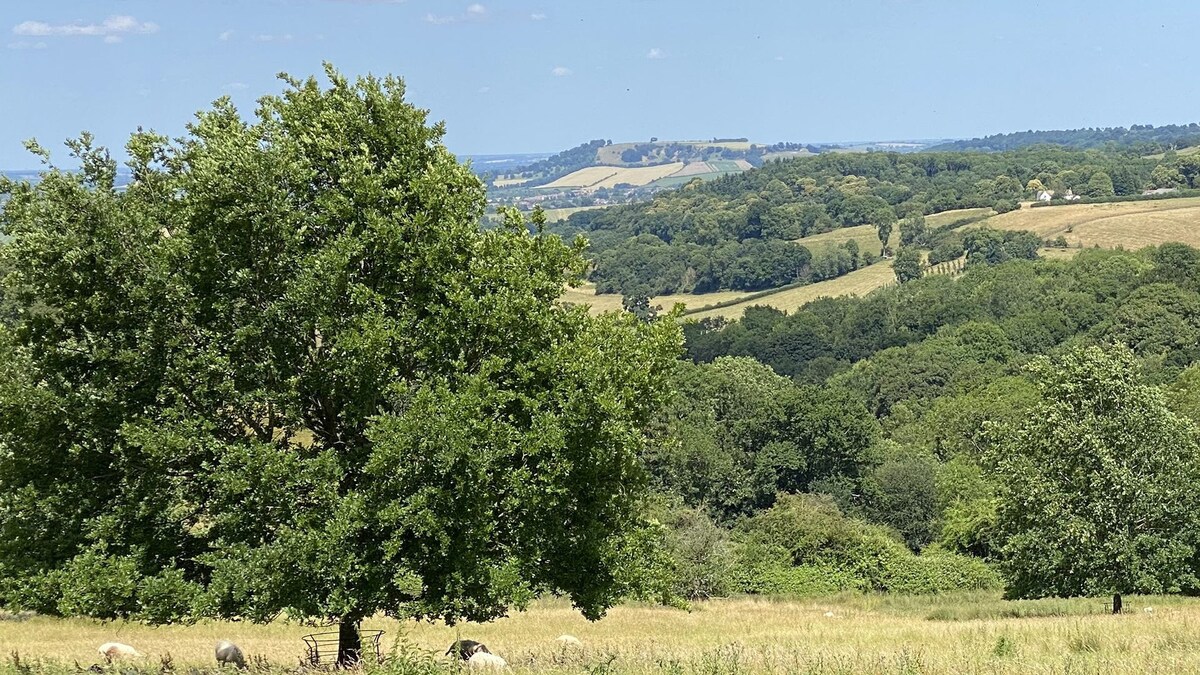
[
  {"x": 908, "y": 265},
  {"x": 1097, "y": 486},
  {"x": 805, "y": 545},
  {"x": 912, "y": 230},
  {"x": 688, "y": 239},
  {"x": 901, "y": 492},
  {"x": 743, "y": 433},
  {"x": 700, "y": 553},
  {"x": 286, "y": 370}
]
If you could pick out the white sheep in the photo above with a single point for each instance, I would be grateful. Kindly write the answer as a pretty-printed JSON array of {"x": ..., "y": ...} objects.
[
  {"x": 486, "y": 660},
  {"x": 116, "y": 650},
  {"x": 568, "y": 641},
  {"x": 230, "y": 654}
]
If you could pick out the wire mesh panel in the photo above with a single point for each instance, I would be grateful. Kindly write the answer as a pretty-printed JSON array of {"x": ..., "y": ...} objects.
[{"x": 322, "y": 648}]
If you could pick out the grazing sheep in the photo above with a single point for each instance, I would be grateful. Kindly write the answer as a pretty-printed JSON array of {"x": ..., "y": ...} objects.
[
  {"x": 230, "y": 654},
  {"x": 568, "y": 641},
  {"x": 465, "y": 649},
  {"x": 486, "y": 660},
  {"x": 116, "y": 650}
]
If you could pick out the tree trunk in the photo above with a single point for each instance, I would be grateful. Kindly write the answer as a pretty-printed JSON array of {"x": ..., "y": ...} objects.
[
  {"x": 1116, "y": 603},
  {"x": 349, "y": 643}
]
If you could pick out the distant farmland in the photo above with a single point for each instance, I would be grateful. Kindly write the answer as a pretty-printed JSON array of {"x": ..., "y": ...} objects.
[
  {"x": 1130, "y": 225},
  {"x": 596, "y": 177}
]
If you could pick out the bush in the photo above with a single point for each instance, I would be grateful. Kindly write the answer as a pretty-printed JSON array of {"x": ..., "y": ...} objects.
[
  {"x": 702, "y": 564},
  {"x": 805, "y": 546}
]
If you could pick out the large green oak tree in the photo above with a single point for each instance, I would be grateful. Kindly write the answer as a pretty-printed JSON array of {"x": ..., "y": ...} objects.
[{"x": 286, "y": 370}]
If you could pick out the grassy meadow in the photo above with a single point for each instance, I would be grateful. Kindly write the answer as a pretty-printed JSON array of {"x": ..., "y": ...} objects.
[
  {"x": 963, "y": 633},
  {"x": 1130, "y": 225}
]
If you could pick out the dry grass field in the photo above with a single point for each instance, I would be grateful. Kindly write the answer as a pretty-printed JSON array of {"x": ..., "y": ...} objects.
[
  {"x": 1130, "y": 225},
  {"x": 585, "y": 294},
  {"x": 859, "y": 282},
  {"x": 970, "y": 633},
  {"x": 596, "y": 177}
]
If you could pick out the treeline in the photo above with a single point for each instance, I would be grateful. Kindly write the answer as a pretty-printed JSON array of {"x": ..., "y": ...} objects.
[
  {"x": 824, "y": 449},
  {"x": 1143, "y": 138},
  {"x": 700, "y": 227}
]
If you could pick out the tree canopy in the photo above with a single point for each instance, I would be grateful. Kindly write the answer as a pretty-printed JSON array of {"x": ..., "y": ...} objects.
[
  {"x": 286, "y": 370},
  {"x": 1098, "y": 485}
]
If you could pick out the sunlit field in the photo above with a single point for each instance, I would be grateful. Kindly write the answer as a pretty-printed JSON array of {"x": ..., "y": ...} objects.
[
  {"x": 1131, "y": 225},
  {"x": 971, "y": 633}
]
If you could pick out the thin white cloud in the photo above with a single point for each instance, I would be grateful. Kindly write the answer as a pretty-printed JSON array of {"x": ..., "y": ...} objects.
[
  {"x": 112, "y": 39},
  {"x": 538, "y": 16},
  {"x": 111, "y": 29},
  {"x": 473, "y": 12},
  {"x": 225, "y": 35},
  {"x": 484, "y": 90},
  {"x": 236, "y": 86},
  {"x": 655, "y": 53},
  {"x": 25, "y": 44},
  {"x": 560, "y": 71},
  {"x": 267, "y": 37},
  {"x": 778, "y": 58}
]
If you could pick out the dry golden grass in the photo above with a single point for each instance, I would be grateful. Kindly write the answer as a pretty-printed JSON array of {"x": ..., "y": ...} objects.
[
  {"x": 596, "y": 177},
  {"x": 554, "y": 215},
  {"x": 1130, "y": 225},
  {"x": 509, "y": 182},
  {"x": 859, "y": 282},
  {"x": 642, "y": 175},
  {"x": 847, "y": 634},
  {"x": 584, "y": 177},
  {"x": 865, "y": 235},
  {"x": 947, "y": 217},
  {"x": 585, "y": 294}
]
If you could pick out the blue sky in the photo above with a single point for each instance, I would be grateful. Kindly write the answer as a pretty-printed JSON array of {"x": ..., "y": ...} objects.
[{"x": 544, "y": 75}]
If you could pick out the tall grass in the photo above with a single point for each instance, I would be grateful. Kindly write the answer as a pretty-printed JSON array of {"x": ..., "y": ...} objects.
[{"x": 953, "y": 633}]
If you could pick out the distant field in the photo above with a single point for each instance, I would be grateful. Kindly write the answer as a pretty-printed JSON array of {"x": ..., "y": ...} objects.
[
  {"x": 510, "y": 182},
  {"x": 947, "y": 217},
  {"x": 596, "y": 177},
  {"x": 865, "y": 235},
  {"x": 867, "y": 634},
  {"x": 1183, "y": 152},
  {"x": 859, "y": 282},
  {"x": 555, "y": 215},
  {"x": 1130, "y": 225},
  {"x": 586, "y": 295}
]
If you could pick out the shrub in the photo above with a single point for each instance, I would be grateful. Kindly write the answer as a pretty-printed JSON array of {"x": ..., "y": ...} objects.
[{"x": 805, "y": 546}]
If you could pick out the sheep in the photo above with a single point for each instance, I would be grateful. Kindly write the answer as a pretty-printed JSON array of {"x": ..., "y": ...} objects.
[
  {"x": 116, "y": 650},
  {"x": 467, "y": 648},
  {"x": 229, "y": 653},
  {"x": 486, "y": 660},
  {"x": 568, "y": 641}
]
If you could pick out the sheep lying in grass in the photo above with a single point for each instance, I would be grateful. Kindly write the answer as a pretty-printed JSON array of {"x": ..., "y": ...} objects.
[
  {"x": 486, "y": 660},
  {"x": 230, "y": 654},
  {"x": 465, "y": 649},
  {"x": 568, "y": 641},
  {"x": 115, "y": 650}
]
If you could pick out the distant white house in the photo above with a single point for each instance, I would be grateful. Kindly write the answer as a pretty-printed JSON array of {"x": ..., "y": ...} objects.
[
  {"x": 1045, "y": 195},
  {"x": 1070, "y": 196},
  {"x": 1160, "y": 191}
]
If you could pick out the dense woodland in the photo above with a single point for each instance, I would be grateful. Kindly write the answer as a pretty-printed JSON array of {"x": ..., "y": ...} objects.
[
  {"x": 1140, "y": 138},
  {"x": 740, "y": 232},
  {"x": 822, "y": 450}
]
